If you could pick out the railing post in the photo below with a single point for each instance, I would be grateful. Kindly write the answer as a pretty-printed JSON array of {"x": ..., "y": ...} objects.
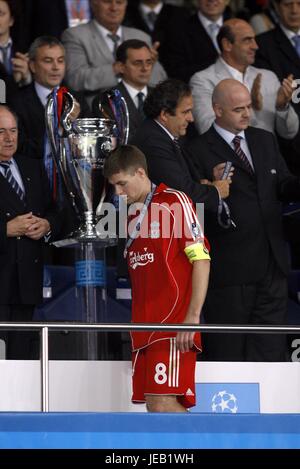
[{"x": 44, "y": 370}]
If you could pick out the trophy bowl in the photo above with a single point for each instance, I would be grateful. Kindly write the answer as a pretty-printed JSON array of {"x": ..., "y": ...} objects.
[{"x": 79, "y": 154}]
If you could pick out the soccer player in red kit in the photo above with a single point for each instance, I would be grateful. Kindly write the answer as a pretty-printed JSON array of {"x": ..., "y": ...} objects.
[{"x": 169, "y": 265}]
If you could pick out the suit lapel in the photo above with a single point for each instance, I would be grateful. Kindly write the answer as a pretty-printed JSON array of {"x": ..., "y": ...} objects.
[
  {"x": 256, "y": 153},
  {"x": 224, "y": 151},
  {"x": 26, "y": 178},
  {"x": 99, "y": 43},
  {"x": 221, "y": 148},
  {"x": 132, "y": 109},
  {"x": 14, "y": 200},
  {"x": 285, "y": 46}
]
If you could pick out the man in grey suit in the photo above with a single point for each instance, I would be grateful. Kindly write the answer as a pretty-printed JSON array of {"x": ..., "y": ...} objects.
[
  {"x": 91, "y": 48},
  {"x": 270, "y": 99}
]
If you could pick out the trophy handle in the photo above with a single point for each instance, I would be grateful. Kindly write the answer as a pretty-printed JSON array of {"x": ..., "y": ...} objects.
[
  {"x": 59, "y": 145},
  {"x": 67, "y": 111},
  {"x": 50, "y": 127},
  {"x": 126, "y": 122},
  {"x": 112, "y": 105}
]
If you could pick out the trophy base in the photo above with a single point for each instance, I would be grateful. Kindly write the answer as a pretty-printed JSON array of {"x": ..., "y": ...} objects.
[{"x": 79, "y": 237}]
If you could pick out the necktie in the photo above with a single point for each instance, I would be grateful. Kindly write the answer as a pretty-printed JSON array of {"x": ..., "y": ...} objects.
[
  {"x": 213, "y": 32},
  {"x": 239, "y": 152},
  {"x": 11, "y": 180},
  {"x": 296, "y": 41},
  {"x": 115, "y": 39},
  {"x": 6, "y": 58},
  {"x": 140, "y": 97},
  {"x": 152, "y": 19}
]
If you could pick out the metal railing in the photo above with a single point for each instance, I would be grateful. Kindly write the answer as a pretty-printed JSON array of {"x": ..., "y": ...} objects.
[{"x": 45, "y": 328}]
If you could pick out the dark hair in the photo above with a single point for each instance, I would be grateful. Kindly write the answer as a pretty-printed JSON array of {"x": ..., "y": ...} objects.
[
  {"x": 121, "y": 54},
  {"x": 165, "y": 97},
  {"x": 124, "y": 158},
  {"x": 13, "y": 7},
  {"x": 9, "y": 109},
  {"x": 41, "y": 41},
  {"x": 225, "y": 32}
]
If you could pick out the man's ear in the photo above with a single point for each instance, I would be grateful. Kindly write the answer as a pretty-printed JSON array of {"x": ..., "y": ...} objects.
[
  {"x": 32, "y": 66},
  {"x": 141, "y": 172},
  {"x": 163, "y": 116},
  {"x": 119, "y": 67},
  {"x": 217, "y": 109}
]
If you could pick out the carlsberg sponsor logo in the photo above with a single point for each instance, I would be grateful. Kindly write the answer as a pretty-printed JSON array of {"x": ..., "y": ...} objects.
[{"x": 140, "y": 259}]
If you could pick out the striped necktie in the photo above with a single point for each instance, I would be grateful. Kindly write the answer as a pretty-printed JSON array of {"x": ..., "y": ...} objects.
[
  {"x": 6, "y": 58},
  {"x": 115, "y": 38},
  {"x": 239, "y": 152},
  {"x": 11, "y": 180}
]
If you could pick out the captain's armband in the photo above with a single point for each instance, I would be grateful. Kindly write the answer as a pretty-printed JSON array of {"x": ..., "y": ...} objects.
[{"x": 196, "y": 252}]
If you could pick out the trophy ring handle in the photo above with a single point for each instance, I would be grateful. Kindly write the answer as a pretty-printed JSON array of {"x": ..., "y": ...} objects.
[{"x": 69, "y": 105}]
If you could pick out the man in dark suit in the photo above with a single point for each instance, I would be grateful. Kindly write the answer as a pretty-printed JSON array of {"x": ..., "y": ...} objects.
[
  {"x": 279, "y": 51},
  {"x": 27, "y": 215},
  {"x": 168, "y": 109},
  {"x": 194, "y": 47},
  {"x": 134, "y": 62},
  {"x": 158, "y": 19},
  {"x": 52, "y": 18},
  {"x": 249, "y": 261}
]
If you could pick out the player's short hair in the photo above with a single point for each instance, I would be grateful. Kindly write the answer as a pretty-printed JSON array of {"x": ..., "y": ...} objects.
[{"x": 124, "y": 158}]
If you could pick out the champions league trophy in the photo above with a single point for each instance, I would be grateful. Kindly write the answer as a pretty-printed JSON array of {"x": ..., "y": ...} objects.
[{"x": 79, "y": 150}]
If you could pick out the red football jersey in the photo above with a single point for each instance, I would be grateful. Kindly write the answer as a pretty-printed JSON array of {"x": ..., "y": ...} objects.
[{"x": 159, "y": 269}]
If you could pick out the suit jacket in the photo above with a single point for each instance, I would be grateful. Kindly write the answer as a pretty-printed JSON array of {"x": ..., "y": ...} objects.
[
  {"x": 170, "y": 20},
  {"x": 21, "y": 260},
  {"x": 89, "y": 60},
  {"x": 286, "y": 123},
  {"x": 189, "y": 50},
  {"x": 135, "y": 117},
  {"x": 240, "y": 255},
  {"x": 276, "y": 53},
  {"x": 167, "y": 164},
  {"x": 48, "y": 18}
]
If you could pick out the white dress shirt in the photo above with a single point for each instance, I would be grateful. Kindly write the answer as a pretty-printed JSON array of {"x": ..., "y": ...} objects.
[
  {"x": 42, "y": 93},
  {"x": 133, "y": 92},
  {"x": 105, "y": 34}
]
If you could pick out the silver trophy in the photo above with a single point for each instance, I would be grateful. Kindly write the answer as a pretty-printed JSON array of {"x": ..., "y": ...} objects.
[{"x": 79, "y": 149}]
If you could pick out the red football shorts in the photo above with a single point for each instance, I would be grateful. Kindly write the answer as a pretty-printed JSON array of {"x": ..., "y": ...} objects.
[{"x": 161, "y": 369}]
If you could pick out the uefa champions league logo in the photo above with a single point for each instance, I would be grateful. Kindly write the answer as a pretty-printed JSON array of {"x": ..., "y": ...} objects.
[{"x": 224, "y": 402}]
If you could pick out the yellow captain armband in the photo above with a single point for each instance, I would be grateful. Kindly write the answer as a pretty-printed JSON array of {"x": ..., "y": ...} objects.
[{"x": 196, "y": 252}]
